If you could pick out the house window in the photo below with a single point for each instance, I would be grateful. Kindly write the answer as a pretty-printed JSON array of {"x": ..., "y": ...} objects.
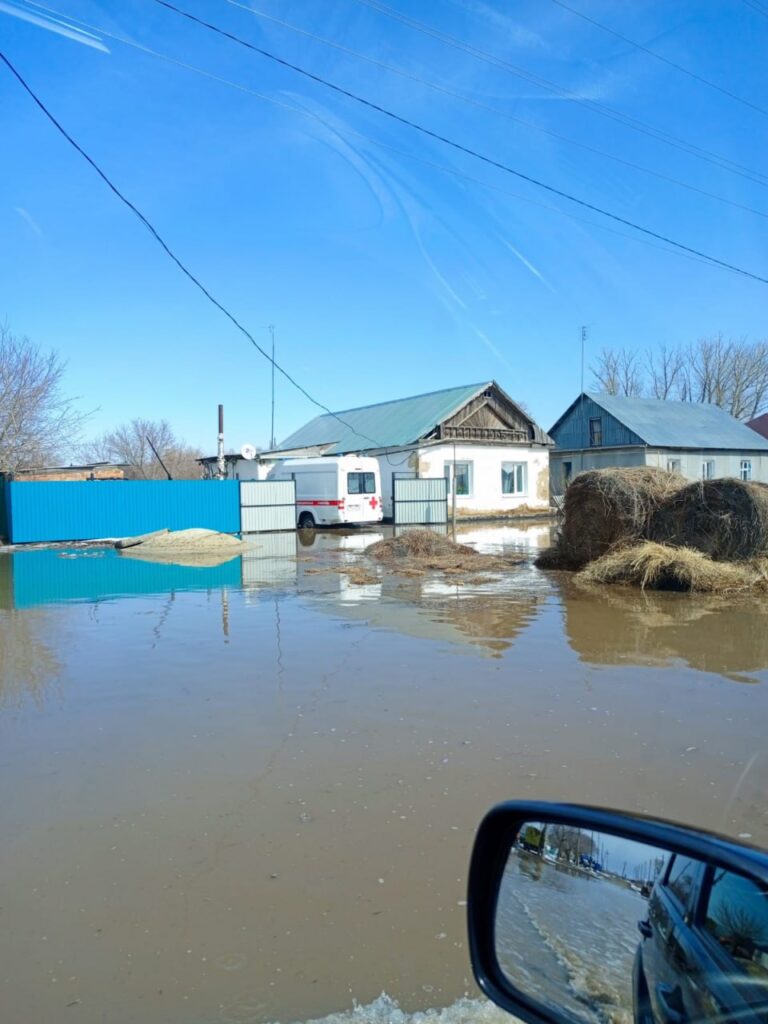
[
  {"x": 596, "y": 432},
  {"x": 463, "y": 478},
  {"x": 674, "y": 465},
  {"x": 708, "y": 469},
  {"x": 514, "y": 478},
  {"x": 745, "y": 469},
  {"x": 567, "y": 473}
]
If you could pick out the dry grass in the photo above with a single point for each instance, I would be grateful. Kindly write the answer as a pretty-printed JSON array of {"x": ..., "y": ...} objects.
[
  {"x": 419, "y": 551},
  {"x": 725, "y": 519},
  {"x": 655, "y": 566},
  {"x": 606, "y": 507}
]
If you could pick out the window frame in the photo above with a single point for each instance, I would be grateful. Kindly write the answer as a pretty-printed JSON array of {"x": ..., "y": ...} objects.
[
  {"x": 705, "y": 464},
  {"x": 699, "y": 922},
  {"x": 596, "y": 436},
  {"x": 363, "y": 474},
  {"x": 690, "y": 912},
  {"x": 745, "y": 470},
  {"x": 511, "y": 469},
  {"x": 448, "y": 474},
  {"x": 674, "y": 465}
]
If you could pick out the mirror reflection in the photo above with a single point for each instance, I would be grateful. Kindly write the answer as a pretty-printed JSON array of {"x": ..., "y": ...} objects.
[{"x": 605, "y": 929}]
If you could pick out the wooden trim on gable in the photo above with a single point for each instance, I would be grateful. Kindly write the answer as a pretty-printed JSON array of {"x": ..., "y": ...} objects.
[{"x": 489, "y": 418}]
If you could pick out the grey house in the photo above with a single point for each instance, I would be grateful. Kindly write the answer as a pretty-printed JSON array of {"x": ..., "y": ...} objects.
[{"x": 699, "y": 441}]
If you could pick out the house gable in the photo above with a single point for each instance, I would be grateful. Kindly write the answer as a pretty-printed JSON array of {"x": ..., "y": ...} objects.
[
  {"x": 572, "y": 430},
  {"x": 490, "y": 417}
]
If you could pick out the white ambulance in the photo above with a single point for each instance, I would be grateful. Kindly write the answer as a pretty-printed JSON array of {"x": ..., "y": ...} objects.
[{"x": 334, "y": 490}]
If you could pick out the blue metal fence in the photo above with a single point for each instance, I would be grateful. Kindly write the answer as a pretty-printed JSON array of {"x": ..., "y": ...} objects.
[{"x": 89, "y": 510}]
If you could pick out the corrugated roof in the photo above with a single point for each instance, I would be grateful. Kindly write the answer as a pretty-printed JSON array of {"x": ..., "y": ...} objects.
[
  {"x": 760, "y": 424},
  {"x": 666, "y": 424},
  {"x": 385, "y": 425}
]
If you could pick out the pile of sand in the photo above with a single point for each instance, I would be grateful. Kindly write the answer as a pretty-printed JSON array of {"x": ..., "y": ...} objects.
[
  {"x": 419, "y": 551},
  {"x": 661, "y": 567},
  {"x": 184, "y": 547}
]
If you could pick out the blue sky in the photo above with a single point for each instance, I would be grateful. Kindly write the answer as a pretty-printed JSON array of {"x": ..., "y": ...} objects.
[{"x": 384, "y": 274}]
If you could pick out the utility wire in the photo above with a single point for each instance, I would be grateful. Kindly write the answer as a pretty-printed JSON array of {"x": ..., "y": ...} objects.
[
  {"x": 658, "y": 56},
  {"x": 756, "y": 6},
  {"x": 495, "y": 110},
  {"x": 459, "y": 147},
  {"x": 169, "y": 252},
  {"x": 348, "y": 131},
  {"x": 616, "y": 115}
]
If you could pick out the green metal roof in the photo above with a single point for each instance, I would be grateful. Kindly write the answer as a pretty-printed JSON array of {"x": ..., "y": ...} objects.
[{"x": 385, "y": 425}]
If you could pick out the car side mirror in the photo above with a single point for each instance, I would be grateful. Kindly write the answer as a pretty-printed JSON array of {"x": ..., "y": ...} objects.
[{"x": 571, "y": 911}]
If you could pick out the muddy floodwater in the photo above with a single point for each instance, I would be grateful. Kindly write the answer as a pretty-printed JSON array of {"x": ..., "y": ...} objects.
[{"x": 247, "y": 792}]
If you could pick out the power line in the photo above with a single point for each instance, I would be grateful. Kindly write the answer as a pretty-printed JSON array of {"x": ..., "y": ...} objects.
[
  {"x": 442, "y": 168},
  {"x": 169, "y": 252},
  {"x": 658, "y": 56},
  {"x": 616, "y": 115},
  {"x": 459, "y": 147},
  {"x": 757, "y": 6},
  {"x": 495, "y": 110}
]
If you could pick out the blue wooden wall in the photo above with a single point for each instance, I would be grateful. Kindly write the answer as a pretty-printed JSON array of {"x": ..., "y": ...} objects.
[
  {"x": 573, "y": 431},
  {"x": 89, "y": 510}
]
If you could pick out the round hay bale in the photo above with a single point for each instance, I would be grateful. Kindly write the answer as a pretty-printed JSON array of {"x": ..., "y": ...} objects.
[
  {"x": 606, "y": 507},
  {"x": 725, "y": 519}
]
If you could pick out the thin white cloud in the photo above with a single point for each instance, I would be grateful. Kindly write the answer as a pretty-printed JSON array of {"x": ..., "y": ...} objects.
[
  {"x": 61, "y": 28},
  {"x": 515, "y": 34},
  {"x": 491, "y": 347},
  {"x": 30, "y": 221},
  {"x": 528, "y": 265}
]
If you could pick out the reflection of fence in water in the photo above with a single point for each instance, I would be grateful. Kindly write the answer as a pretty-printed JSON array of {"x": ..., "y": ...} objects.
[{"x": 270, "y": 561}]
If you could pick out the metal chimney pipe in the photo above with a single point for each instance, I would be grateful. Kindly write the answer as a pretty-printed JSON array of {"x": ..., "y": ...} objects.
[{"x": 220, "y": 455}]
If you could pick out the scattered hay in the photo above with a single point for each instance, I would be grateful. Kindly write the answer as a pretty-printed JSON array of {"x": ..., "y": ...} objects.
[
  {"x": 659, "y": 567},
  {"x": 356, "y": 574},
  {"x": 725, "y": 519},
  {"x": 418, "y": 551},
  {"x": 605, "y": 507}
]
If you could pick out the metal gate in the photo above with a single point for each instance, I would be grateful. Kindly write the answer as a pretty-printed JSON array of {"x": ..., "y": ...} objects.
[
  {"x": 420, "y": 501},
  {"x": 267, "y": 505}
]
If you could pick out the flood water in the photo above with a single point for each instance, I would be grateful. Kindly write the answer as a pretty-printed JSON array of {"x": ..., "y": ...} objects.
[{"x": 248, "y": 792}]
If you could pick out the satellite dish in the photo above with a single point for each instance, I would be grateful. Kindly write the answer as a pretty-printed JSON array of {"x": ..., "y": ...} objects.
[{"x": 248, "y": 451}]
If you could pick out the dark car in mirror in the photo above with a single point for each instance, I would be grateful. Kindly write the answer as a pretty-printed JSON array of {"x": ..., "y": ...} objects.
[{"x": 588, "y": 916}]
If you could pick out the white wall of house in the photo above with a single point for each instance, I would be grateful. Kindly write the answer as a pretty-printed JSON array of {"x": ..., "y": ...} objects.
[
  {"x": 494, "y": 482},
  {"x": 751, "y": 465}
]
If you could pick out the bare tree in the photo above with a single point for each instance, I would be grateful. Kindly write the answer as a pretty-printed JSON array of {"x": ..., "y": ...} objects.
[
  {"x": 665, "y": 368},
  {"x": 38, "y": 423},
  {"x": 129, "y": 445},
  {"x": 731, "y": 373},
  {"x": 619, "y": 372}
]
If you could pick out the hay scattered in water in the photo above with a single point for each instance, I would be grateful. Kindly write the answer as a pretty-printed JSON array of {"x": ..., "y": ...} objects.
[
  {"x": 605, "y": 507},
  {"x": 418, "y": 551},
  {"x": 725, "y": 519},
  {"x": 655, "y": 566}
]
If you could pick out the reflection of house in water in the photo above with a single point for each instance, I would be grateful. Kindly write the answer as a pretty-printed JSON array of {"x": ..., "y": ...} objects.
[
  {"x": 429, "y": 607},
  {"x": 614, "y": 626}
]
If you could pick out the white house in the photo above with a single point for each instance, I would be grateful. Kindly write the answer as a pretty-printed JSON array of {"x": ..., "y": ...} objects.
[{"x": 501, "y": 455}]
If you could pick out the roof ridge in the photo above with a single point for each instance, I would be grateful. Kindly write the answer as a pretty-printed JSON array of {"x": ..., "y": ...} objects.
[{"x": 407, "y": 398}]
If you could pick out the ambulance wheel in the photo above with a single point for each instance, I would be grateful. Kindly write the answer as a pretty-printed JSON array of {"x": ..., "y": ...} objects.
[{"x": 306, "y": 521}]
